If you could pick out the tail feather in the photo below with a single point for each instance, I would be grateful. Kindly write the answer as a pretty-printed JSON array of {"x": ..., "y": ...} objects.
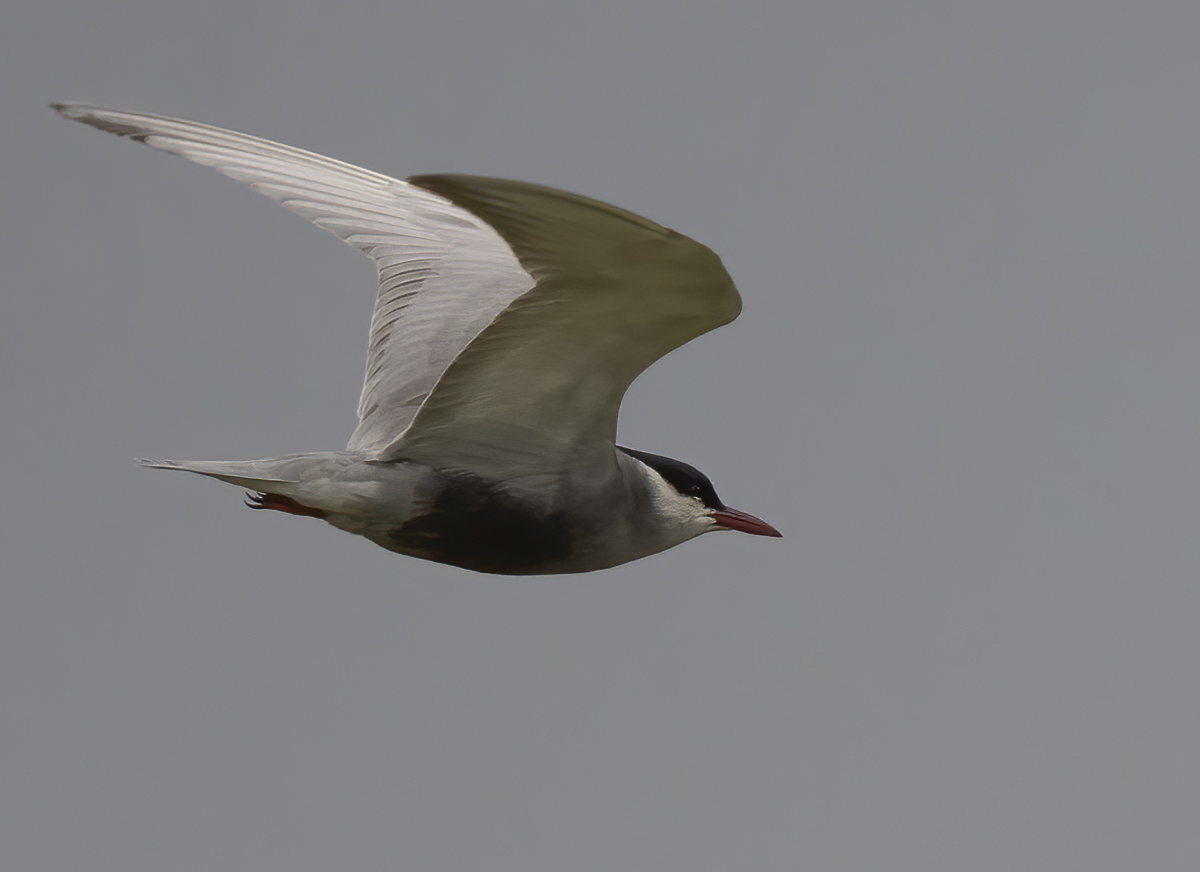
[
  {"x": 253, "y": 475},
  {"x": 333, "y": 482}
]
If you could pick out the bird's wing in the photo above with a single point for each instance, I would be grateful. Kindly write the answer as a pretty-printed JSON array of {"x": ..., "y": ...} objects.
[
  {"x": 444, "y": 274},
  {"x": 541, "y": 385}
]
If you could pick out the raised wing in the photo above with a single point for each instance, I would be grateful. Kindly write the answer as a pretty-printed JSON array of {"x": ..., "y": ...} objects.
[
  {"x": 444, "y": 274},
  {"x": 542, "y": 384}
]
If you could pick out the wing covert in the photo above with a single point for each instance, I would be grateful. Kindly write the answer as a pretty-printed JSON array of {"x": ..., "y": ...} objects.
[{"x": 614, "y": 293}]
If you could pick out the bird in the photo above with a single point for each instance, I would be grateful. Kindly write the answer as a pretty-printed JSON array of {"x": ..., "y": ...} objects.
[{"x": 509, "y": 320}]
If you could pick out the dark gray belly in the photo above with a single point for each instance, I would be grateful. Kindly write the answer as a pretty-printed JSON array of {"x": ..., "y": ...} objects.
[{"x": 476, "y": 525}]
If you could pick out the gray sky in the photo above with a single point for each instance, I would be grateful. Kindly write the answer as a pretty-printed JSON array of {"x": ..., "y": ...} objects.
[{"x": 964, "y": 386}]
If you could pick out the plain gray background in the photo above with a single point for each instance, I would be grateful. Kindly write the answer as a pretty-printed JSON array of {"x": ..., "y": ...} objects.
[{"x": 964, "y": 386}]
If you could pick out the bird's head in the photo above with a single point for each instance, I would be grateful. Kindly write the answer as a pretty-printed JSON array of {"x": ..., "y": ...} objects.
[{"x": 688, "y": 498}]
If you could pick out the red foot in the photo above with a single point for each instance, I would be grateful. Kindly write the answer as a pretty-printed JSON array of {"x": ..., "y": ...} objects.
[{"x": 282, "y": 504}]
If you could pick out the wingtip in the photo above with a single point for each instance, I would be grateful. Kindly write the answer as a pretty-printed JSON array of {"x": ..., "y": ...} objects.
[
  {"x": 108, "y": 120},
  {"x": 74, "y": 111}
]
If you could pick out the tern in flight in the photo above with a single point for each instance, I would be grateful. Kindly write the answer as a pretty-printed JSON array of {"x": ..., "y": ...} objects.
[{"x": 510, "y": 319}]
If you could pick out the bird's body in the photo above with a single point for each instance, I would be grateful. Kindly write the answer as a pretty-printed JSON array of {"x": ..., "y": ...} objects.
[
  {"x": 510, "y": 319},
  {"x": 587, "y": 520}
]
